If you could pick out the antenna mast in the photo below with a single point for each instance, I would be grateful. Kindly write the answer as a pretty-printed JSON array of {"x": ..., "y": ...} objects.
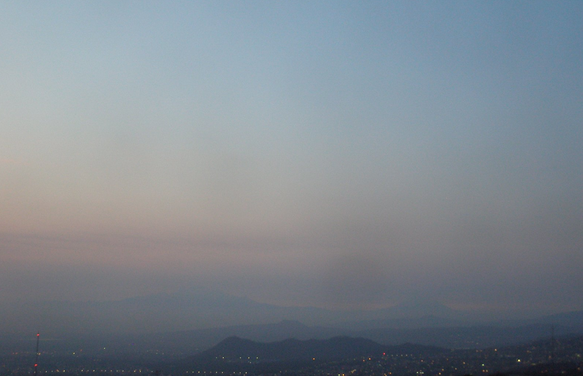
[
  {"x": 553, "y": 349},
  {"x": 36, "y": 357}
]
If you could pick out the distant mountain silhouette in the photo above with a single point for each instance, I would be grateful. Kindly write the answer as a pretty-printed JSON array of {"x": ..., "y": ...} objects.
[
  {"x": 195, "y": 340},
  {"x": 235, "y": 349},
  {"x": 572, "y": 320},
  {"x": 244, "y": 356},
  {"x": 211, "y": 309},
  {"x": 413, "y": 314},
  {"x": 564, "y": 322},
  {"x": 193, "y": 321},
  {"x": 480, "y": 336},
  {"x": 429, "y": 321},
  {"x": 207, "y": 309},
  {"x": 153, "y": 313}
]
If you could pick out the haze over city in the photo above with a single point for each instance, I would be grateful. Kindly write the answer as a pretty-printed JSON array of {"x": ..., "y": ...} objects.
[{"x": 341, "y": 155}]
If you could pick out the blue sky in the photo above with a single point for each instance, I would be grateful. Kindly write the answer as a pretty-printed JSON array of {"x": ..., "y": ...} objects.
[{"x": 340, "y": 154}]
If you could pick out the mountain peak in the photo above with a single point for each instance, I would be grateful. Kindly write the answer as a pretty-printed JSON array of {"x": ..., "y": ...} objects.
[{"x": 234, "y": 348}]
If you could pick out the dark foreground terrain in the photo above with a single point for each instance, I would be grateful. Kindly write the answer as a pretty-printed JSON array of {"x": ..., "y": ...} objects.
[{"x": 334, "y": 356}]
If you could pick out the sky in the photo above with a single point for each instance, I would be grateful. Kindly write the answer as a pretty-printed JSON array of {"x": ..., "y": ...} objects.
[{"x": 336, "y": 154}]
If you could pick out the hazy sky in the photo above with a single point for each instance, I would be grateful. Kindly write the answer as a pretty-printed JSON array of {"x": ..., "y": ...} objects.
[{"x": 333, "y": 153}]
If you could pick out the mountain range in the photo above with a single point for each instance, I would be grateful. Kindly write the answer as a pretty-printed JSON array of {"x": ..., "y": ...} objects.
[
  {"x": 242, "y": 355},
  {"x": 168, "y": 323},
  {"x": 210, "y": 309}
]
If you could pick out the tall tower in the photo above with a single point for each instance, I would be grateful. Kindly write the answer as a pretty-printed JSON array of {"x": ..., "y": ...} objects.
[
  {"x": 552, "y": 349},
  {"x": 36, "y": 357}
]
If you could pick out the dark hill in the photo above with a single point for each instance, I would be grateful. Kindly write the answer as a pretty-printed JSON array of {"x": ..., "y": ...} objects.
[
  {"x": 236, "y": 354},
  {"x": 238, "y": 349}
]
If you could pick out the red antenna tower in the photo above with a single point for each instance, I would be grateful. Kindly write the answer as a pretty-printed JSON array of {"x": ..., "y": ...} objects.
[{"x": 36, "y": 357}]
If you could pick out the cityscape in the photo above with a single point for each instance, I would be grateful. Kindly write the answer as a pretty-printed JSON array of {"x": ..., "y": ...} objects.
[{"x": 339, "y": 355}]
